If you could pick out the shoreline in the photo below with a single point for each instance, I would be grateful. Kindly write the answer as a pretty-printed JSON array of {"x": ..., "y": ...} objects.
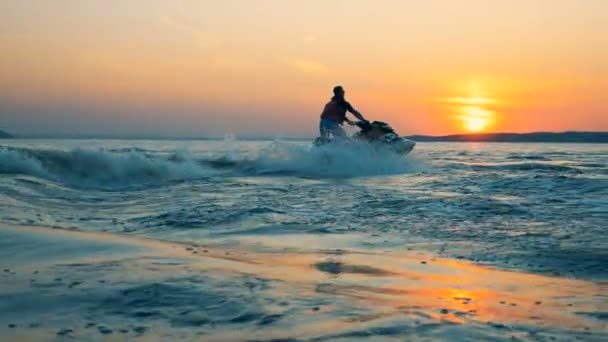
[{"x": 63, "y": 283}]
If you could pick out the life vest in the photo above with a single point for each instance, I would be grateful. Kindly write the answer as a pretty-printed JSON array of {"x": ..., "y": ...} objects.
[{"x": 334, "y": 110}]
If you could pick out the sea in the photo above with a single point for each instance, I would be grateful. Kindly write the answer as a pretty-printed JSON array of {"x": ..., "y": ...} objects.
[{"x": 534, "y": 208}]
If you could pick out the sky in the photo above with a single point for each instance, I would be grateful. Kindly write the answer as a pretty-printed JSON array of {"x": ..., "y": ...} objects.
[{"x": 267, "y": 67}]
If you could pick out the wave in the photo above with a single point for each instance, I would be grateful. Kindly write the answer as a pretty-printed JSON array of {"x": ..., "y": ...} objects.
[
  {"x": 558, "y": 184},
  {"x": 109, "y": 169},
  {"x": 330, "y": 161},
  {"x": 528, "y": 157},
  {"x": 354, "y": 160},
  {"x": 207, "y": 215},
  {"x": 100, "y": 168},
  {"x": 527, "y": 166},
  {"x": 591, "y": 165}
]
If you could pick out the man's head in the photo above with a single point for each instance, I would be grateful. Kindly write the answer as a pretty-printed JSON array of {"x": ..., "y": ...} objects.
[{"x": 339, "y": 91}]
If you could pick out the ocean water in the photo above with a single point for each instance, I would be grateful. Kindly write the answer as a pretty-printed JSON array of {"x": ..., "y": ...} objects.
[
  {"x": 540, "y": 208},
  {"x": 277, "y": 241}
]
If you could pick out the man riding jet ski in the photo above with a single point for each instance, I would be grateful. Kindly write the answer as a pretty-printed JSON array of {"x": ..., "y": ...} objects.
[
  {"x": 377, "y": 132},
  {"x": 334, "y": 114}
]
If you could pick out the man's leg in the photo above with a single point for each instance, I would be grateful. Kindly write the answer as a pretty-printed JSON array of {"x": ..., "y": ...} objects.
[
  {"x": 323, "y": 131},
  {"x": 338, "y": 132}
]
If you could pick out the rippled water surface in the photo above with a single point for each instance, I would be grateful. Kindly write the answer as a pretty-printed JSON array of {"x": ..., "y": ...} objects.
[{"x": 536, "y": 207}]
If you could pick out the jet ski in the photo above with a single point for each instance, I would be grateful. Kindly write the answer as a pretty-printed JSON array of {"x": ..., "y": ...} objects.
[{"x": 378, "y": 133}]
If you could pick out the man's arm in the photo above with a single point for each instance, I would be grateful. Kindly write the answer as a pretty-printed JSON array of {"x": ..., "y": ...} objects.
[
  {"x": 355, "y": 112},
  {"x": 358, "y": 115}
]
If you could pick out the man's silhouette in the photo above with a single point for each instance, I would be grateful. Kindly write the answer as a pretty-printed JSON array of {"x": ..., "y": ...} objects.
[{"x": 334, "y": 114}]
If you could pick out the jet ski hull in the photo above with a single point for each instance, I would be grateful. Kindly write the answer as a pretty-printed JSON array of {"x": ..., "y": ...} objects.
[{"x": 378, "y": 134}]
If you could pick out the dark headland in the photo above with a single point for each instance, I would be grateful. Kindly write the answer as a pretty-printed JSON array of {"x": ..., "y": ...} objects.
[
  {"x": 4, "y": 135},
  {"x": 561, "y": 137}
]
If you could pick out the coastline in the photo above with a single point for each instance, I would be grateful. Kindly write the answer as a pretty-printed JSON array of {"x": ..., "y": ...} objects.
[{"x": 59, "y": 283}]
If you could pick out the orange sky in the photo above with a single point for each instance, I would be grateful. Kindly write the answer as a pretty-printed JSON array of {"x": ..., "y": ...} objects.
[{"x": 267, "y": 67}]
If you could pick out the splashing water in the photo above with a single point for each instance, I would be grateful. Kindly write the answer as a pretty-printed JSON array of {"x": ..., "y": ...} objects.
[
  {"x": 538, "y": 207},
  {"x": 130, "y": 167}
]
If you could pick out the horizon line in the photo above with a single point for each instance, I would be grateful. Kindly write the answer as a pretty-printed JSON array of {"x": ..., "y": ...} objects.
[{"x": 235, "y": 136}]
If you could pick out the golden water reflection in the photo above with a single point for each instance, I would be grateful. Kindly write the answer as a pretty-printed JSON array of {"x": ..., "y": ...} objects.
[
  {"x": 393, "y": 284},
  {"x": 352, "y": 288}
]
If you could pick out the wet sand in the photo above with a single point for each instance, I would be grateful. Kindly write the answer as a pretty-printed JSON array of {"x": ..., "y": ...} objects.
[{"x": 71, "y": 285}]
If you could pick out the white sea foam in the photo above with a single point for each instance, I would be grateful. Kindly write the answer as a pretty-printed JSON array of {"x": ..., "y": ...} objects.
[
  {"x": 101, "y": 168},
  {"x": 352, "y": 160},
  {"x": 133, "y": 167}
]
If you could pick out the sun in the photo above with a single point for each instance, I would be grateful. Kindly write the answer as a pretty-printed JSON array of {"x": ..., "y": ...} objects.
[
  {"x": 476, "y": 124},
  {"x": 475, "y": 118},
  {"x": 474, "y": 109}
]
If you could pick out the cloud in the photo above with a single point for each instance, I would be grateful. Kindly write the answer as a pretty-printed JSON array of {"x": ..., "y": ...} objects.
[
  {"x": 308, "y": 67},
  {"x": 204, "y": 39},
  {"x": 473, "y": 101},
  {"x": 309, "y": 38}
]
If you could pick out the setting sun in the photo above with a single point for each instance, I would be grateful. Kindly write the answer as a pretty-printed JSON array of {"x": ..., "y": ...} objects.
[
  {"x": 473, "y": 113},
  {"x": 475, "y": 119}
]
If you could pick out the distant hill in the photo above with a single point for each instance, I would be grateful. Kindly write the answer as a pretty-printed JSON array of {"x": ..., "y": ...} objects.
[
  {"x": 561, "y": 137},
  {"x": 4, "y": 135}
]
